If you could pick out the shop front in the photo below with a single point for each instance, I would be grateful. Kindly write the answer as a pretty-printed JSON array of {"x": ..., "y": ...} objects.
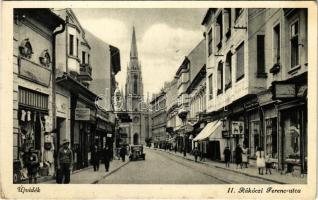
[{"x": 34, "y": 126}]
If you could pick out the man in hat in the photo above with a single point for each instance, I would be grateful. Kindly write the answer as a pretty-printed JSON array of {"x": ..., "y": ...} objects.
[{"x": 64, "y": 163}]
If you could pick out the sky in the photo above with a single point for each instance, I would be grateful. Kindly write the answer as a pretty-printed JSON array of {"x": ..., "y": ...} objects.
[{"x": 164, "y": 38}]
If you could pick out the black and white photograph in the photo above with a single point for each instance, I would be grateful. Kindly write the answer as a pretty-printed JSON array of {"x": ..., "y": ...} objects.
[{"x": 195, "y": 95}]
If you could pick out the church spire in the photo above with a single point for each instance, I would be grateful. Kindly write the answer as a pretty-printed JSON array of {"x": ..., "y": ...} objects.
[{"x": 133, "y": 48}]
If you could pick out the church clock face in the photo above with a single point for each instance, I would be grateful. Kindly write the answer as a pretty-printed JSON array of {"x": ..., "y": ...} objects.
[{"x": 136, "y": 119}]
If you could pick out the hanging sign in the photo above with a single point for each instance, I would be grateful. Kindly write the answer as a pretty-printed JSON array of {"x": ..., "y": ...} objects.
[
  {"x": 82, "y": 114},
  {"x": 237, "y": 127}
]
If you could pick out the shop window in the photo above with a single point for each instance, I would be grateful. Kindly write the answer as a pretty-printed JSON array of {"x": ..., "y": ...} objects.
[
  {"x": 210, "y": 42},
  {"x": 211, "y": 86},
  {"x": 219, "y": 31},
  {"x": 220, "y": 78},
  {"x": 71, "y": 44},
  {"x": 293, "y": 137},
  {"x": 227, "y": 22},
  {"x": 228, "y": 71},
  {"x": 271, "y": 137},
  {"x": 255, "y": 137},
  {"x": 240, "y": 62},
  {"x": 261, "y": 56},
  {"x": 294, "y": 44},
  {"x": 276, "y": 44}
]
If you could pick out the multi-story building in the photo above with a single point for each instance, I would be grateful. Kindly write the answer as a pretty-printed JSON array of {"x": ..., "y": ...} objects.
[
  {"x": 75, "y": 102},
  {"x": 257, "y": 76},
  {"x": 33, "y": 95},
  {"x": 171, "y": 110},
  {"x": 185, "y": 74},
  {"x": 159, "y": 120},
  {"x": 105, "y": 60}
]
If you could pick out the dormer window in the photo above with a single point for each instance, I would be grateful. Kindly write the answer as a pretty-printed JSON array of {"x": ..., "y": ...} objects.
[
  {"x": 26, "y": 48},
  {"x": 45, "y": 58}
]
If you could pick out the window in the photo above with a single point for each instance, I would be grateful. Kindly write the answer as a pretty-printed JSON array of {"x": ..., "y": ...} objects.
[
  {"x": 219, "y": 31},
  {"x": 220, "y": 78},
  {"x": 77, "y": 47},
  {"x": 88, "y": 58},
  {"x": 228, "y": 71},
  {"x": 276, "y": 44},
  {"x": 271, "y": 137},
  {"x": 260, "y": 54},
  {"x": 227, "y": 22},
  {"x": 83, "y": 57},
  {"x": 135, "y": 84},
  {"x": 71, "y": 44},
  {"x": 240, "y": 62},
  {"x": 238, "y": 12},
  {"x": 211, "y": 86},
  {"x": 210, "y": 42},
  {"x": 294, "y": 44}
]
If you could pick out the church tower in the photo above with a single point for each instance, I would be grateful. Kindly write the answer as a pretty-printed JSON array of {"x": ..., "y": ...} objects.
[{"x": 134, "y": 97}]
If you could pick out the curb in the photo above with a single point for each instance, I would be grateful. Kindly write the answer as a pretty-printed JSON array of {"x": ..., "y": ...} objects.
[
  {"x": 103, "y": 177},
  {"x": 243, "y": 173}
]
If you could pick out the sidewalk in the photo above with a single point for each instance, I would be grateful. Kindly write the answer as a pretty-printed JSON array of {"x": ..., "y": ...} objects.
[
  {"x": 251, "y": 171},
  {"x": 88, "y": 176}
]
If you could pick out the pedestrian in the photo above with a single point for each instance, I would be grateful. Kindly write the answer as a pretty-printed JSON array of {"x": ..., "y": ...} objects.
[
  {"x": 184, "y": 152},
  {"x": 244, "y": 155},
  {"x": 195, "y": 154},
  {"x": 260, "y": 160},
  {"x": 32, "y": 164},
  {"x": 107, "y": 154},
  {"x": 64, "y": 163},
  {"x": 95, "y": 156},
  {"x": 238, "y": 156},
  {"x": 175, "y": 148},
  {"x": 268, "y": 164},
  {"x": 227, "y": 156},
  {"x": 123, "y": 152}
]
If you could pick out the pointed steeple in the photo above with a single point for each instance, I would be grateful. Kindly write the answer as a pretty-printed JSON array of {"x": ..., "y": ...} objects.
[{"x": 133, "y": 48}]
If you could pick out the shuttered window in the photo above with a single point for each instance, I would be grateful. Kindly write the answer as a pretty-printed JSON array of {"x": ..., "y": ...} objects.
[
  {"x": 33, "y": 99},
  {"x": 240, "y": 62}
]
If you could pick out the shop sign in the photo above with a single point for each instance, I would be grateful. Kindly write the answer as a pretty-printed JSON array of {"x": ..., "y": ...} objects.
[
  {"x": 284, "y": 90},
  {"x": 82, "y": 114},
  {"x": 237, "y": 127},
  {"x": 34, "y": 72}
]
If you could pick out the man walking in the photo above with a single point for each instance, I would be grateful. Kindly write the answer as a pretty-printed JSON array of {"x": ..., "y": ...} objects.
[
  {"x": 95, "y": 157},
  {"x": 107, "y": 157},
  {"x": 64, "y": 163},
  {"x": 123, "y": 153}
]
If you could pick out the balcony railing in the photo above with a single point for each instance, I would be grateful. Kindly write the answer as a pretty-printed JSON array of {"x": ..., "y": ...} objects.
[{"x": 85, "y": 72}]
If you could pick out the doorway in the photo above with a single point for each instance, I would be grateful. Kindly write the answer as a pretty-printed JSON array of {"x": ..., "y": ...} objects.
[{"x": 136, "y": 139}]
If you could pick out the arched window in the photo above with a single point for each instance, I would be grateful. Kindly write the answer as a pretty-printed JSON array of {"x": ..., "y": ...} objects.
[{"x": 135, "y": 84}]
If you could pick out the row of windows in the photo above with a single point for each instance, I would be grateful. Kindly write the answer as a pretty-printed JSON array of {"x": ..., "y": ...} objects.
[{"x": 72, "y": 47}]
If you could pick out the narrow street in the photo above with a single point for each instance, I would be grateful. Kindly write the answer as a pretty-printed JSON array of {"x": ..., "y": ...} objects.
[{"x": 163, "y": 168}]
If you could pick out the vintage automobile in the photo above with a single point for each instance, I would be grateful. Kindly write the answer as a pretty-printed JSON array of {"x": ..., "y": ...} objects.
[{"x": 136, "y": 152}]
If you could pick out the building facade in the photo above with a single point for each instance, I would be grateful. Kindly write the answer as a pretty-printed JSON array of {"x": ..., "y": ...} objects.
[
  {"x": 33, "y": 100},
  {"x": 251, "y": 54}
]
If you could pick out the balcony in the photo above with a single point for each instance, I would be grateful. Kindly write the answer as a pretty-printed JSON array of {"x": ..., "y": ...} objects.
[{"x": 85, "y": 73}]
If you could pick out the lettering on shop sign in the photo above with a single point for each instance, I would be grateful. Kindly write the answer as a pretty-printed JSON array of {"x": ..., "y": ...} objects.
[{"x": 82, "y": 114}]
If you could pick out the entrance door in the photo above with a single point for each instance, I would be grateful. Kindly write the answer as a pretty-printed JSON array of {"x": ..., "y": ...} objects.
[
  {"x": 136, "y": 139},
  {"x": 214, "y": 150}
]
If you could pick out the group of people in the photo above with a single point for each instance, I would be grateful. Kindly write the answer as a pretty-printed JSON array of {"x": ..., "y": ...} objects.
[{"x": 64, "y": 161}]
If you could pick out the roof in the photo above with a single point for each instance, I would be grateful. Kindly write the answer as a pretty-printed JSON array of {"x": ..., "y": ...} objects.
[
  {"x": 207, "y": 15},
  {"x": 43, "y": 15}
]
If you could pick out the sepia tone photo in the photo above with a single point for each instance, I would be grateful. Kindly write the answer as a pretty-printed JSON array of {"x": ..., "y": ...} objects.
[{"x": 174, "y": 96}]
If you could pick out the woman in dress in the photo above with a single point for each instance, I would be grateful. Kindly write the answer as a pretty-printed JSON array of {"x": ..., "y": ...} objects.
[
  {"x": 244, "y": 156},
  {"x": 238, "y": 156},
  {"x": 260, "y": 160}
]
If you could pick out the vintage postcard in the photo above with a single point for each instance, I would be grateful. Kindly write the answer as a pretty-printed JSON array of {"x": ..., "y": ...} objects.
[{"x": 144, "y": 99}]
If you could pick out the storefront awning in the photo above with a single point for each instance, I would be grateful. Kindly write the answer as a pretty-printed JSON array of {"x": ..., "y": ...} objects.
[{"x": 208, "y": 130}]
